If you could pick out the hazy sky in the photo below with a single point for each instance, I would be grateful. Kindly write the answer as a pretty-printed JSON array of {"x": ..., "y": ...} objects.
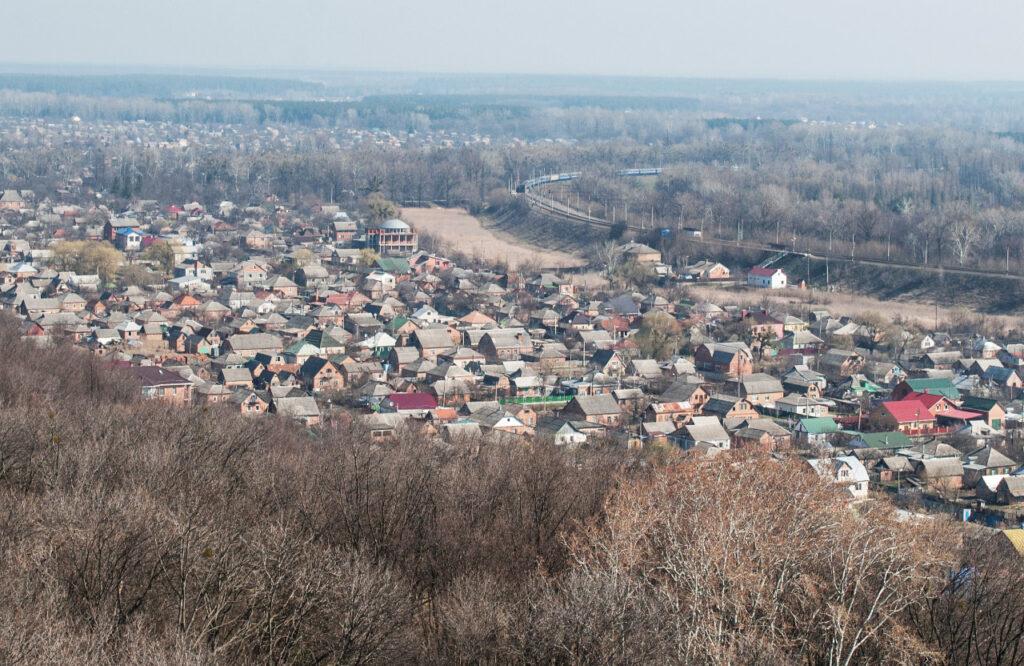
[{"x": 833, "y": 39}]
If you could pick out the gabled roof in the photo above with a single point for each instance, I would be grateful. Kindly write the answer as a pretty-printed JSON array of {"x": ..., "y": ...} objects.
[
  {"x": 934, "y": 385},
  {"x": 704, "y": 429},
  {"x": 989, "y": 457},
  {"x": 908, "y": 411},
  {"x": 433, "y": 338},
  {"x": 412, "y": 401},
  {"x": 885, "y": 440},
  {"x": 819, "y": 425},
  {"x": 593, "y": 405},
  {"x": 151, "y": 375}
]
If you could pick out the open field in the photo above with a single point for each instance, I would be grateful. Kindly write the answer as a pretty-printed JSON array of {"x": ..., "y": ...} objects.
[
  {"x": 459, "y": 231},
  {"x": 920, "y": 313}
]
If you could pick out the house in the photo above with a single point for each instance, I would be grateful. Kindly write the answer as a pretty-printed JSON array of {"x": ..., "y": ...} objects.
[
  {"x": 893, "y": 468},
  {"x": 766, "y": 278},
  {"x": 410, "y": 404},
  {"x": 601, "y": 409},
  {"x": 764, "y": 326},
  {"x": 881, "y": 441},
  {"x": 846, "y": 471},
  {"x": 1010, "y": 491},
  {"x": 763, "y": 435},
  {"x": 760, "y": 389},
  {"x": 705, "y": 270},
  {"x": 686, "y": 391},
  {"x": 990, "y": 408},
  {"x": 731, "y": 359},
  {"x": 609, "y": 362},
  {"x": 703, "y": 430},
  {"x": 128, "y": 240},
  {"x": 944, "y": 360},
  {"x": 248, "y": 345},
  {"x": 301, "y": 408},
  {"x": 942, "y": 475},
  {"x": 801, "y": 405},
  {"x": 319, "y": 374},
  {"x": 250, "y": 274},
  {"x": 506, "y": 344},
  {"x": 160, "y": 384},
  {"x": 570, "y": 434},
  {"x": 498, "y": 420},
  {"x": 639, "y": 253},
  {"x": 911, "y": 417},
  {"x": 381, "y": 427},
  {"x": 392, "y": 237},
  {"x": 235, "y": 378},
  {"x": 1006, "y": 378},
  {"x": 431, "y": 342},
  {"x": 729, "y": 407},
  {"x": 840, "y": 363},
  {"x": 932, "y": 385},
  {"x": 985, "y": 461},
  {"x": 801, "y": 379},
  {"x": 803, "y": 342},
  {"x": 12, "y": 200},
  {"x": 282, "y": 286},
  {"x": 249, "y": 402},
  {"x": 815, "y": 431},
  {"x": 117, "y": 224},
  {"x": 677, "y": 413},
  {"x": 313, "y": 275}
]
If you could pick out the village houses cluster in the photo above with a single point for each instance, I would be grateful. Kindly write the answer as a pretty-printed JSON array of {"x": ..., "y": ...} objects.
[{"x": 338, "y": 321}]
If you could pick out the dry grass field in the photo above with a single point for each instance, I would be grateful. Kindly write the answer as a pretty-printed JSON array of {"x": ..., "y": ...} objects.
[
  {"x": 852, "y": 305},
  {"x": 457, "y": 230}
]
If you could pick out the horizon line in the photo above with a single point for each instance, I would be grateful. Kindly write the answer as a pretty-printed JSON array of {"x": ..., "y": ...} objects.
[{"x": 122, "y": 69}]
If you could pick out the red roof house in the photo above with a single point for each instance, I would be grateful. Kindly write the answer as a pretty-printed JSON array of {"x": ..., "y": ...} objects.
[
  {"x": 409, "y": 403},
  {"x": 911, "y": 417}
]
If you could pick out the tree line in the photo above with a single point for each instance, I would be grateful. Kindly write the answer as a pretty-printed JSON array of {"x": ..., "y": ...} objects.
[{"x": 918, "y": 195}]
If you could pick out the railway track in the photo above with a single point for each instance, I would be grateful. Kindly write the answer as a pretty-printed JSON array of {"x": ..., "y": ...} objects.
[{"x": 558, "y": 209}]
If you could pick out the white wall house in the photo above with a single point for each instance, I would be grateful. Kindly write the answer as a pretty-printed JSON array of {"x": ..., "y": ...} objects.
[{"x": 767, "y": 278}]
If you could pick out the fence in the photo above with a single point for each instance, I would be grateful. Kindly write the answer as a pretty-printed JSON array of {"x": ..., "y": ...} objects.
[{"x": 536, "y": 399}]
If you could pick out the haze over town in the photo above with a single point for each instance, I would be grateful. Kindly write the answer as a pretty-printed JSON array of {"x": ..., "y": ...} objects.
[{"x": 872, "y": 39}]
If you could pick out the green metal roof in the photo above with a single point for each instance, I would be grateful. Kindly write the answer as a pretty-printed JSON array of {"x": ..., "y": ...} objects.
[
  {"x": 934, "y": 386},
  {"x": 396, "y": 323},
  {"x": 819, "y": 425},
  {"x": 979, "y": 403},
  {"x": 885, "y": 440},
  {"x": 393, "y": 264}
]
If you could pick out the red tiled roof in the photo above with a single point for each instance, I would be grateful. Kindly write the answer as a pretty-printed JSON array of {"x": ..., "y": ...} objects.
[
  {"x": 908, "y": 411},
  {"x": 961, "y": 414},
  {"x": 764, "y": 272},
  {"x": 927, "y": 399}
]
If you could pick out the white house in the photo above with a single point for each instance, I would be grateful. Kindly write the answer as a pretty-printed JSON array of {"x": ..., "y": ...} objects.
[
  {"x": 846, "y": 471},
  {"x": 766, "y": 278},
  {"x": 128, "y": 240}
]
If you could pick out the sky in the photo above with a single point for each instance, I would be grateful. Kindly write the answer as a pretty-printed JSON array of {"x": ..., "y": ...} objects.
[{"x": 787, "y": 39}]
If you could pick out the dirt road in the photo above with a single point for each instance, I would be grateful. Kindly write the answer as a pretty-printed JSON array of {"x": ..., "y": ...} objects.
[{"x": 457, "y": 230}]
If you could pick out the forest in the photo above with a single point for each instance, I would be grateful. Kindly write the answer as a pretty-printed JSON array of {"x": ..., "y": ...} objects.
[
  {"x": 134, "y": 532},
  {"x": 919, "y": 195}
]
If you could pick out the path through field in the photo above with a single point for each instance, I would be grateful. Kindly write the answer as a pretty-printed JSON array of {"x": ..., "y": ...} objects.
[{"x": 457, "y": 230}]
